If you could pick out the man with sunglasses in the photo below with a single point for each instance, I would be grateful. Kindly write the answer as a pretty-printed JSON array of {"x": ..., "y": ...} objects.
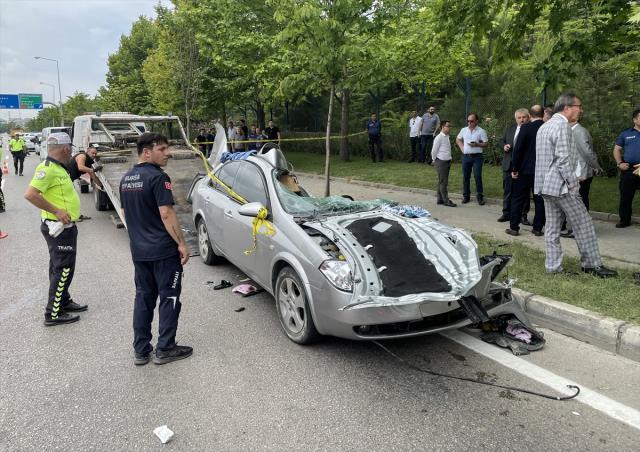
[
  {"x": 472, "y": 140},
  {"x": 556, "y": 181}
]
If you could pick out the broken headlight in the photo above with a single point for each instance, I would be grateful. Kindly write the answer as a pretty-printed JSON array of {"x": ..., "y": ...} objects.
[{"x": 338, "y": 273}]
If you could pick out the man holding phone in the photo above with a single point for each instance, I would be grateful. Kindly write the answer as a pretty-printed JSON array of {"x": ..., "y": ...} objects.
[{"x": 472, "y": 140}]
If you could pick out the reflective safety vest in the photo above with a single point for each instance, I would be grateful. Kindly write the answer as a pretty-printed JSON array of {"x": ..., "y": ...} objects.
[{"x": 17, "y": 145}]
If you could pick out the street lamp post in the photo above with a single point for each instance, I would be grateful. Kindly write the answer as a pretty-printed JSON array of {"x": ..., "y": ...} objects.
[
  {"x": 53, "y": 90},
  {"x": 59, "y": 88}
]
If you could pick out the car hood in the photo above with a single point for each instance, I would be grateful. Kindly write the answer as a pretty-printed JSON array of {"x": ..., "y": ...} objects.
[{"x": 395, "y": 259}]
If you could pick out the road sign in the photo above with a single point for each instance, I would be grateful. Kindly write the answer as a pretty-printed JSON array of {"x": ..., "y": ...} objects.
[
  {"x": 30, "y": 101},
  {"x": 9, "y": 101}
]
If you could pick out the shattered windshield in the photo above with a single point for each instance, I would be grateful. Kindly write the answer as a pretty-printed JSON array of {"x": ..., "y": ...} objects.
[{"x": 297, "y": 202}]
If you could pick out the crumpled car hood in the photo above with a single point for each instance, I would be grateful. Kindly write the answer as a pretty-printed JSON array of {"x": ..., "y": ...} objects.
[{"x": 439, "y": 251}]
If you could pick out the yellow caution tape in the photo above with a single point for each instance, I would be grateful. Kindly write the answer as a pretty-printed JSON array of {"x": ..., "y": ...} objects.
[
  {"x": 333, "y": 137},
  {"x": 258, "y": 222}
]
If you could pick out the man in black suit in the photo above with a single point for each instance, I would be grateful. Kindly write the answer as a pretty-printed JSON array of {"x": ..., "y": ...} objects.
[
  {"x": 507, "y": 142},
  {"x": 523, "y": 169}
]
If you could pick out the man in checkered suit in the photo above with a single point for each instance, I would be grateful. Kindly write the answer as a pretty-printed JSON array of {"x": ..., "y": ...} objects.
[{"x": 556, "y": 181}]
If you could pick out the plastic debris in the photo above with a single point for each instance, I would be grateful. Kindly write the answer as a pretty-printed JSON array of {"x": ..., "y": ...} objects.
[{"x": 164, "y": 433}]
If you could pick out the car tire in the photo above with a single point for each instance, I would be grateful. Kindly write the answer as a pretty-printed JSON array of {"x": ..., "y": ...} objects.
[
  {"x": 293, "y": 308},
  {"x": 208, "y": 255},
  {"x": 101, "y": 200}
]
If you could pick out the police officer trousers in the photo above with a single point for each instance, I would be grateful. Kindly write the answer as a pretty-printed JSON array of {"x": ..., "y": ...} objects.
[
  {"x": 161, "y": 278},
  {"x": 18, "y": 161},
  {"x": 62, "y": 262}
]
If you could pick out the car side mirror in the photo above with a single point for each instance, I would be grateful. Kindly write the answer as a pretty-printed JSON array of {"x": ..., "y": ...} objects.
[{"x": 250, "y": 209}]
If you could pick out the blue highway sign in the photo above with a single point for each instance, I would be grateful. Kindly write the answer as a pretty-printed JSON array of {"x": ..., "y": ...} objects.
[{"x": 9, "y": 101}]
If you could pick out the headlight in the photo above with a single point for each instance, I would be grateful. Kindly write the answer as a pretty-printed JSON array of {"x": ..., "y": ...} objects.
[{"x": 338, "y": 273}]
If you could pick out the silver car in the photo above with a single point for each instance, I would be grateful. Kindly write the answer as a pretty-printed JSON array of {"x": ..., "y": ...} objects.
[{"x": 345, "y": 268}]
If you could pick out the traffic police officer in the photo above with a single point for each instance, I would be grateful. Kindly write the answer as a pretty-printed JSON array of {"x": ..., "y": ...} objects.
[
  {"x": 17, "y": 147},
  {"x": 158, "y": 250},
  {"x": 52, "y": 191}
]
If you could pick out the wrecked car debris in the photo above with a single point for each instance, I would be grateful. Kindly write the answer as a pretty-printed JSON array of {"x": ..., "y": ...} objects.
[{"x": 512, "y": 334}]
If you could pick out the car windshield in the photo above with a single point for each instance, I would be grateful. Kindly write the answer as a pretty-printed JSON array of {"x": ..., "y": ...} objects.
[{"x": 297, "y": 202}]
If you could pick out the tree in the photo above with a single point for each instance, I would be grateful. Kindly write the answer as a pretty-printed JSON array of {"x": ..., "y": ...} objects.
[
  {"x": 235, "y": 38},
  {"x": 173, "y": 70},
  {"x": 327, "y": 45},
  {"x": 126, "y": 89}
]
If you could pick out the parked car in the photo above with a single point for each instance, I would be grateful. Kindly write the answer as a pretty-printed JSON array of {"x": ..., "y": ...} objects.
[
  {"x": 30, "y": 141},
  {"x": 345, "y": 268}
]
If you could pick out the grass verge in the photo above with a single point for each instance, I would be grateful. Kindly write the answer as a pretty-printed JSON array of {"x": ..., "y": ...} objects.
[
  {"x": 616, "y": 297},
  {"x": 604, "y": 194}
]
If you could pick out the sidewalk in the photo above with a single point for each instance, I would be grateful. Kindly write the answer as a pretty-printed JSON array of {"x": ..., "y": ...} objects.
[{"x": 618, "y": 247}]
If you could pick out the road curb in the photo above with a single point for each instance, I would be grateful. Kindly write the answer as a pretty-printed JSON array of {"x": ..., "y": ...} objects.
[
  {"x": 602, "y": 216},
  {"x": 614, "y": 335}
]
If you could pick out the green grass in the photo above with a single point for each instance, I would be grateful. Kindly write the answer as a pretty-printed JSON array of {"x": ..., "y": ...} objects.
[
  {"x": 616, "y": 297},
  {"x": 604, "y": 195}
]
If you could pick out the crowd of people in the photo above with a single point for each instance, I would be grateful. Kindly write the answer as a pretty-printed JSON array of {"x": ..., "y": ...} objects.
[
  {"x": 239, "y": 137},
  {"x": 547, "y": 156}
]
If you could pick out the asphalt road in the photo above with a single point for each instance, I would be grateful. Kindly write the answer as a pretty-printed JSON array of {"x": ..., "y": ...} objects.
[{"x": 247, "y": 387}]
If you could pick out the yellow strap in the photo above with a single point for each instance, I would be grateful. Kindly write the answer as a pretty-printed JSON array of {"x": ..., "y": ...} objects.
[{"x": 258, "y": 223}]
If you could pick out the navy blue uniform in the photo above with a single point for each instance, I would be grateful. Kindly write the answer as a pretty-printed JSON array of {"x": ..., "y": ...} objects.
[
  {"x": 629, "y": 141},
  {"x": 158, "y": 271},
  {"x": 374, "y": 129}
]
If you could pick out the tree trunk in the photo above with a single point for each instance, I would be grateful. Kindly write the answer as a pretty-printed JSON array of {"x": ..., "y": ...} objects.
[
  {"x": 327, "y": 159},
  {"x": 187, "y": 115},
  {"x": 260, "y": 114},
  {"x": 344, "y": 125}
]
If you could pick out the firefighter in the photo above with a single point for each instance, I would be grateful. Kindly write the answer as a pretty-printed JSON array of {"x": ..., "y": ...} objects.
[
  {"x": 158, "y": 250},
  {"x": 52, "y": 191}
]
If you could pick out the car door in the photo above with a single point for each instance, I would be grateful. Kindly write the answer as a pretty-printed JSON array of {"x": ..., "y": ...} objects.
[
  {"x": 215, "y": 200},
  {"x": 238, "y": 229}
]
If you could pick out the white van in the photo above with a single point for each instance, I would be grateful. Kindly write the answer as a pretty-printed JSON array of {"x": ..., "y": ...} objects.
[{"x": 44, "y": 152}]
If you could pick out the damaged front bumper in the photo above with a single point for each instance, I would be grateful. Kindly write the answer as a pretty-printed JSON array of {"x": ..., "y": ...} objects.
[
  {"x": 377, "y": 317},
  {"x": 386, "y": 321}
]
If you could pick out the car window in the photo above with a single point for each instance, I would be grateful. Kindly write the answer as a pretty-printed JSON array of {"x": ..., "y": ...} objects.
[
  {"x": 250, "y": 184},
  {"x": 227, "y": 174}
]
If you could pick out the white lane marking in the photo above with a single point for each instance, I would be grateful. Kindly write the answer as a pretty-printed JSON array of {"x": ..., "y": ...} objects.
[{"x": 610, "y": 407}]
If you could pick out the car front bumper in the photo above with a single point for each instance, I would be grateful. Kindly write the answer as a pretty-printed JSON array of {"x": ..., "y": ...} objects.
[{"x": 336, "y": 314}]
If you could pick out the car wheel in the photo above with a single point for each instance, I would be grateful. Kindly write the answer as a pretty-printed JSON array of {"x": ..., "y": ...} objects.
[
  {"x": 101, "y": 200},
  {"x": 207, "y": 254},
  {"x": 293, "y": 308}
]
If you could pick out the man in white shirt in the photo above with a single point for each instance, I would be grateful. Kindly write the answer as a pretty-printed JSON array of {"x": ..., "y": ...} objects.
[
  {"x": 472, "y": 140},
  {"x": 441, "y": 159},
  {"x": 415, "y": 124}
]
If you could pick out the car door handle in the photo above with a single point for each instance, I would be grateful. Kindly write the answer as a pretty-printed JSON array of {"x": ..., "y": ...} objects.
[{"x": 228, "y": 213}]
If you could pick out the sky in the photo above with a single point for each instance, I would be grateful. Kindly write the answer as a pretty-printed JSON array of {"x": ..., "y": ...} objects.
[{"x": 80, "y": 34}]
